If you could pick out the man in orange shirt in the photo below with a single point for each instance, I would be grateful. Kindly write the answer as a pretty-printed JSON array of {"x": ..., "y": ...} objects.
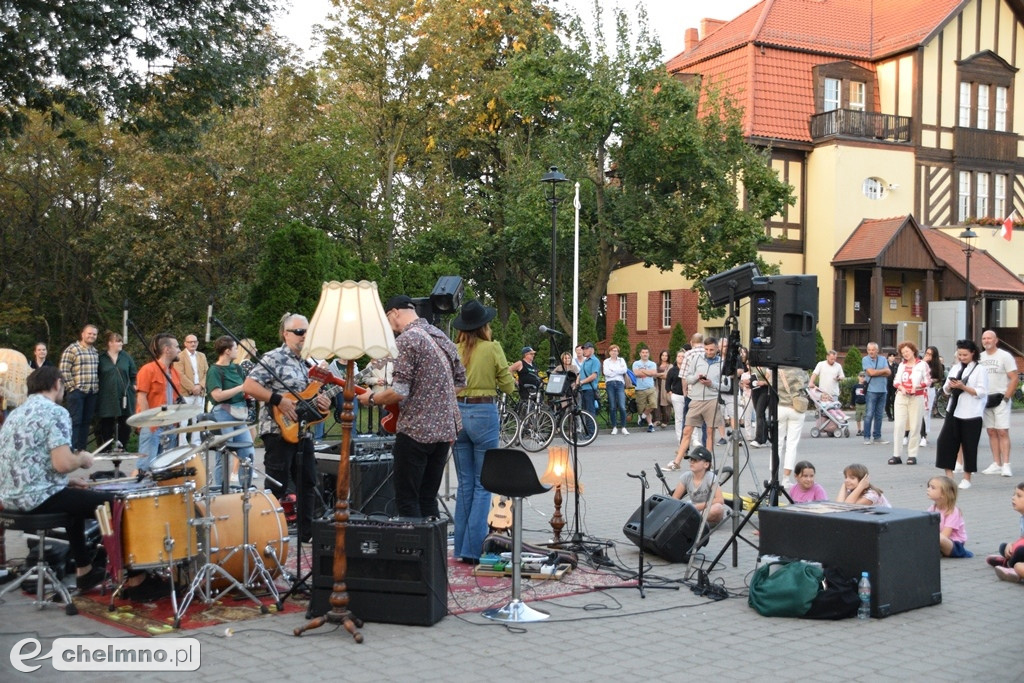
[{"x": 152, "y": 390}]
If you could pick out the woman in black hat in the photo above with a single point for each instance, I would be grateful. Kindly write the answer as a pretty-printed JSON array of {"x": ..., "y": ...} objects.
[{"x": 486, "y": 373}]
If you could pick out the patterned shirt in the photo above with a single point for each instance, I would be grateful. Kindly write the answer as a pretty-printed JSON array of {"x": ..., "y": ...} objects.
[
  {"x": 80, "y": 367},
  {"x": 293, "y": 372},
  {"x": 27, "y": 477},
  {"x": 427, "y": 372}
]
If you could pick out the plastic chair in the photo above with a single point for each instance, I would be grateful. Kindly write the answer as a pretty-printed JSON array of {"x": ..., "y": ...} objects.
[
  {"x": 509, "y": 472},
  {"x": 41, "y": 572}
]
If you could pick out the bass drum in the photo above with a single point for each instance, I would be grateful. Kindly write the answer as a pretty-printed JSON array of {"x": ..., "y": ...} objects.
[{"x": 268, "y": 532}]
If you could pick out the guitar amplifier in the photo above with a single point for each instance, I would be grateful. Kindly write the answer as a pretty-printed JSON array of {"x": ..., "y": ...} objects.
[
  {"x": 899, "y": 549},
  {"x": 371, "y": 488},
  {"x": 397, "y": 571}
]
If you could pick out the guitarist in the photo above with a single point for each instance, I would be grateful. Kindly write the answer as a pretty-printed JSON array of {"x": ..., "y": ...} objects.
[
  {"x": 427, "y": 375},
  {"x": 286, "y": 461}
]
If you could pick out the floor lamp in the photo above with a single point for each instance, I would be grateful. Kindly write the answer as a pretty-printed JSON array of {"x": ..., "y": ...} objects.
[{"x": 349, "y": 322}]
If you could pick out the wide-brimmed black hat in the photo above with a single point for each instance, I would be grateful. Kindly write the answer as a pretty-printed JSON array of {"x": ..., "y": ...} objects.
[{"x": 473, "y": 316}]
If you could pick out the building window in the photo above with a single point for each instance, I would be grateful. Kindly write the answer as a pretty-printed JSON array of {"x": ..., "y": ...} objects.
[
  {"x": 965, "y": 105},
  {"x": 1001, "y": 95},
  {"x": 622, "y": 307},
  {"x": 666, "y": 309},
  {"x": 999, "y": 195},
  {"x": 981, "y": 206},
  {"x": 964, "y": 196},
  {"x": 831, "y": 94},
  {"x": 873, "y": 188},
  {"x": 982, "y": 106},
  {"x": 857, "y": 100}
]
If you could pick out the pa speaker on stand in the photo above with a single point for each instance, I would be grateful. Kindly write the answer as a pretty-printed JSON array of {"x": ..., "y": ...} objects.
[{"x": 783, "y": 320}]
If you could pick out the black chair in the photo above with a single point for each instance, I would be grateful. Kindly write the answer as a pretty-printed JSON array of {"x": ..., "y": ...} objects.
[
  {"x": 42, "y": 573},
  {"x": 510, "y": 472}
]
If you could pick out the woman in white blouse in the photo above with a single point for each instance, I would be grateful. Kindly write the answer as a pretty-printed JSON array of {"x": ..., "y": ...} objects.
[
  {"x": 615, "y": 386},
  {"x": 967, "y": 386},
  {"x": 911, "y": 381}
]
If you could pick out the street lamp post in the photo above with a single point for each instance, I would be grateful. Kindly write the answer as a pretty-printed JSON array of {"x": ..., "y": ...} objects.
[
  {"x": 552, "y": 178},
  {"x": 968, "y": 237}
]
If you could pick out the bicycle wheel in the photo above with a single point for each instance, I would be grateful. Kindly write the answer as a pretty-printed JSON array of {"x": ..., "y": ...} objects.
[
  {"x": 941, "y": 401},
  {"x": 536, "y": 431},
  {"x": 586, "y": 428},
  {"x": 508, "y": 430}
]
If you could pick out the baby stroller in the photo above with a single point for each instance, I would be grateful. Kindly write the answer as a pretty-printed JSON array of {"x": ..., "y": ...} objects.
[{"x": 831, "y": 419}]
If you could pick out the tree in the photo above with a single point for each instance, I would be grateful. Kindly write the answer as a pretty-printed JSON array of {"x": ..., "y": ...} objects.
[
  {"x": 677, "y": 341},
  {"x": 620, "y": 337},
  {"x": 84, "y": 59},
  {"x": 820, "y": 351},
  {"x": 852, "y": 362},
  {"x": 588, "y": 328}
]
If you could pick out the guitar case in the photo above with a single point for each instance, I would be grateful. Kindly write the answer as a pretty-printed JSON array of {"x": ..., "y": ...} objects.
[{"x": 500, "y": 543}]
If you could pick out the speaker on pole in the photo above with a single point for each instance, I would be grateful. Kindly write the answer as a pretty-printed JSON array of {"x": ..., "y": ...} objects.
[{"x": 783, "y": 319}]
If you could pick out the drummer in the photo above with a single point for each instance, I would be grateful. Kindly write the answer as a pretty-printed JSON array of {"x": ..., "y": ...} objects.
[
  {"x": 154, "y": 391},
  {"x": 35, "y": 459},
  {"x": 224, "y": 386}
]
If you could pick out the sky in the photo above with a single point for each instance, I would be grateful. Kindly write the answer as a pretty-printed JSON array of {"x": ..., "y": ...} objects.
[{"x": 667, "y": 18}]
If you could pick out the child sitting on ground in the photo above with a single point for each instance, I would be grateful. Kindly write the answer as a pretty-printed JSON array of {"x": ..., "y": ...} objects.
[
  {"x": 806, "y": 490},
  {"x": 952, "y": 532},
  {"x": 857, "y": 488},
  {"x": 698, "y": 484},
  {"x": 1009, "y": 563},
  {"x": 860, "y": 400}
]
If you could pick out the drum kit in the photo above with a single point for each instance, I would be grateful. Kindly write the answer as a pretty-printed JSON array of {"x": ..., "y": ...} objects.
[{"x": 175, "y": 521}]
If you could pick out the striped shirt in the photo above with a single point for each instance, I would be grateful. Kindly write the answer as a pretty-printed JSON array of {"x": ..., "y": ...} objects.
[{"x": 80, "y": 368}]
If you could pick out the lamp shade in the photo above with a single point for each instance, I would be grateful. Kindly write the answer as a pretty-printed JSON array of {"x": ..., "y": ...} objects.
[
  {"x": 559, "y": 471},
  {"x": 349, "y": 323},
  {"x": 14, "y": 370}
]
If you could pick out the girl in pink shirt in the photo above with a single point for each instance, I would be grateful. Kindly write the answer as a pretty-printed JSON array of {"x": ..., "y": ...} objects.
[
  {"x": 952, "y": 532},
  {"x": 806, "y": 490}
]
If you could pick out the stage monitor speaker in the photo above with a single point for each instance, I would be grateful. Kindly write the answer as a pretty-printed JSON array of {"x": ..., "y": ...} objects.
[
  {"x": 670, "y": 528},
  {"x": 783, "y": 320},
  {"x": 397, "y": 569},
  {"x": 899, "y": 549}
]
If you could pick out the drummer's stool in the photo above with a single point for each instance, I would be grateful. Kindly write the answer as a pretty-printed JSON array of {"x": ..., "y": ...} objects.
[{"x": 41, "y": 572}]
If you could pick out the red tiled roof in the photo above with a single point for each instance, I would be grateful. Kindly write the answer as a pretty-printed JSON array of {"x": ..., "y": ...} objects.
[
  {"x": 987, "y": 273},
  {"x": 869, "y": 239},
  {"x": 765, "y": 55}
]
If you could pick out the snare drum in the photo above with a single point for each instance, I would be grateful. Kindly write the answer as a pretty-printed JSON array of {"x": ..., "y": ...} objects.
[
  {"x": 268, "y": 531},
  {"x": 156, "y": 526},
  {"x": 172, "y": 467}
]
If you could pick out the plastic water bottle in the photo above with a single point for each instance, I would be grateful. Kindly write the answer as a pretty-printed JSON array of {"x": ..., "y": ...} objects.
[{"x": 864, "y": 592}]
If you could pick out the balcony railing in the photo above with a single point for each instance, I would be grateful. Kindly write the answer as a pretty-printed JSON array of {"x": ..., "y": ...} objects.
[{"x": 860, "y": 124}]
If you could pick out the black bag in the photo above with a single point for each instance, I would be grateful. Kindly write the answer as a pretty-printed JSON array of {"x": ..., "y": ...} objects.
[
  {"x": 837, "y": 598},
  {"x": 993, "y": 400}
]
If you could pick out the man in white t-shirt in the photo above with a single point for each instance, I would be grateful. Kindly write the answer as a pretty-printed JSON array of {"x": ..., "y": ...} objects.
[
  {"x": 1002, "y": 379},
  {"x": 827, "y": 375}
]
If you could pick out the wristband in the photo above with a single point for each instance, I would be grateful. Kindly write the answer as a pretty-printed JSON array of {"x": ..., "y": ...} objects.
[{"x": 275, "y": 399}]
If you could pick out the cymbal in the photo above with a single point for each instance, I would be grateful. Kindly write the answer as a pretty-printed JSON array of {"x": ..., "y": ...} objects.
[
  {"x": 116, "y": 456},
  {"x": 162, "y": 416},
  {"x": 205, "y": 425},
  {"x": 221, "y": 439}
]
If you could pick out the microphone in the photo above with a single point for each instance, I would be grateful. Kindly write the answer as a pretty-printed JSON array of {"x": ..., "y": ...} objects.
[
  {"x": 209, "y": 315},
  {"x": 544, "y": 329},
  {"x": 124, "y": 321}
]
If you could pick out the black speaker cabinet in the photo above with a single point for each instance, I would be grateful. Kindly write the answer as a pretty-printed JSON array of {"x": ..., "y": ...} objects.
[
  {"x": 397, "y": 569},
  {"x": 899, "y": 549},
  {"x": 783, "y": 318},
  {"x": 670, "y": 528},
  {"x": 371, "y": 489}
]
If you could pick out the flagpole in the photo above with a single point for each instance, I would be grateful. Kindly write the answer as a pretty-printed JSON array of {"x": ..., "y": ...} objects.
[{"x": 576, "y": 273}]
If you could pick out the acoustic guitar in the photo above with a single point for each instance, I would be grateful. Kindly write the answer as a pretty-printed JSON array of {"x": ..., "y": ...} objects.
[
  {"x": 500, "y": 516},
  {"x": 306, "y": 408}
]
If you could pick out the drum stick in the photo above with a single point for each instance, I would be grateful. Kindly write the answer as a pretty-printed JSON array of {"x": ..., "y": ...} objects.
[{"x": 100, "y": 449}]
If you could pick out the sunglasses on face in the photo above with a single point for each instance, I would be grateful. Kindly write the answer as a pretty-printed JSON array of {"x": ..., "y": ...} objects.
[{"x": 297, "y": 333}]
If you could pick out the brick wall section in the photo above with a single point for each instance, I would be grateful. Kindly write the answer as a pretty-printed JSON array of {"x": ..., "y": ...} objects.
[{"x": 656, "y": 337}]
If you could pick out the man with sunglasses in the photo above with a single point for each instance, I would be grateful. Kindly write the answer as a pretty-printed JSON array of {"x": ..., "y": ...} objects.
[
  {"x": 285, "y": 461},
  {"x": 428, "y": 373}
]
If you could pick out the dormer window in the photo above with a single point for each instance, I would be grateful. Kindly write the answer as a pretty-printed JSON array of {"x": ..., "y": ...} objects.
[
  {"x": 984, "y": 93},
  {"x": 843, "y": 85}
]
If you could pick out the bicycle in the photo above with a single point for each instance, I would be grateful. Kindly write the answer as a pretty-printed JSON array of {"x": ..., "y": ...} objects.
[
  {"x": 508, "y": 423},
  {"x": 567, "y": 410},
  {"x": 537, "y": 423}
]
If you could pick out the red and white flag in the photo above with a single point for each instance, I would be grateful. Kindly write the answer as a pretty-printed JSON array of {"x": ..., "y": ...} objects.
[{"x": 1007, "y": 230}]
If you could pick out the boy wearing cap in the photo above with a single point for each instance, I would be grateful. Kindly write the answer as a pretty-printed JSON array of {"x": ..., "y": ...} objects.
[
  {"x": 427, "y": 375},
  {"x": 698, "y": 482}
]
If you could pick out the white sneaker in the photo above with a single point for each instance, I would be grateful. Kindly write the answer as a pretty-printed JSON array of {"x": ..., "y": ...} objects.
[
  {"x": 1007, "y": 472},
  {"x": 959, "y": 468},
  {"x": 924, "y": 442},
  {"x": 625, "y": 431},
  {"x": 994, "y": 468},
  {"x": 615, "y": 430},
  {"x": 964, "y": 484}
]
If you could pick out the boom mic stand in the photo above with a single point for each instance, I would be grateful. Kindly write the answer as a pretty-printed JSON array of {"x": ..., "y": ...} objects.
[{"x": 772, "y": 488}]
